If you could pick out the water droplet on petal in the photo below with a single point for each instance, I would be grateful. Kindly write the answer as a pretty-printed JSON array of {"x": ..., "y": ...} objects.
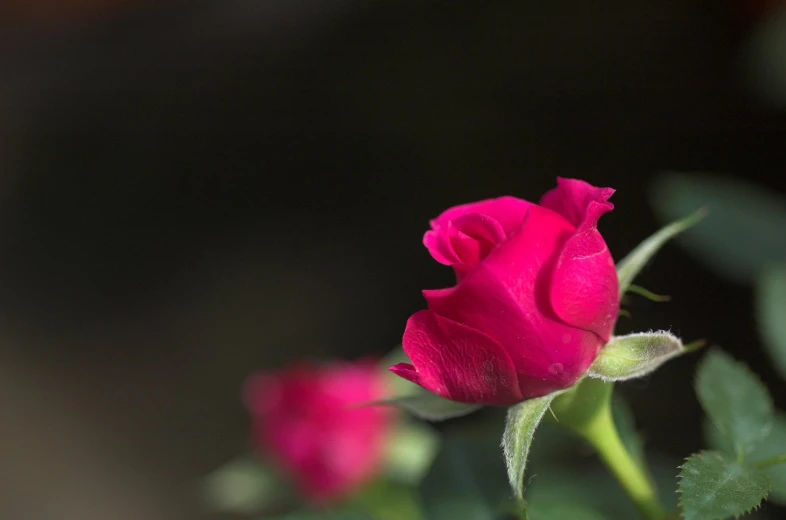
[
  {"x": 566, "y": 338},
  {"x": 556, "y": 369}
]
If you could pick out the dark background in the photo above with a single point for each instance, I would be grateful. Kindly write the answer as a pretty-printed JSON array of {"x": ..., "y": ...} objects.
[{"x": 194, "y": 190}]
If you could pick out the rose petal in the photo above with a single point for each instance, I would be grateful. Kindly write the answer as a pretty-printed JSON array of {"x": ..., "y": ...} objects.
[
  {"x": 440, "y": 247},
  {"x": 457, "y": 362},
  {"x": 579, "y": 202},
  {"x": 508, "y": 211},
  {"x": 289, "y": 405},
  {"x": 472, "y": 237},
  {"x": 507, "y": 296},
  {"x": 584, "y": 290}
]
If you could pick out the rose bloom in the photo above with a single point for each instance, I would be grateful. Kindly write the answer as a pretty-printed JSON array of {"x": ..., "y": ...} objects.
[
  {"x": 535, "y": 299},
  {"x": 306, "y": 420}
]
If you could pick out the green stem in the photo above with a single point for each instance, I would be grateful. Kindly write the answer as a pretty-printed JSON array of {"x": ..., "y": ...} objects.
[
  {"x": 772, "y": 461},
  {"x": 586, "y": 409},
  {"x": 603, "y": 436}
]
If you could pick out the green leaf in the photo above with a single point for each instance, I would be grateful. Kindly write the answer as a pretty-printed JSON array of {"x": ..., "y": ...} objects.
[
  {"x": 774, "y": 444},
  {"x": 630, "y": 266},
  {"x": 245, "y": 485},
  {"x": 467, "y": 479},
  {"x": 430, "y": 407},
  {"x": 714, "y": 487},
  {"x": 771, "y": 314},
  {"x": 743, "y": 230},
  {"x": 735, "y": 400},
  {"x": 522, "y": 421},
  {"x": 635, "y": 355}
]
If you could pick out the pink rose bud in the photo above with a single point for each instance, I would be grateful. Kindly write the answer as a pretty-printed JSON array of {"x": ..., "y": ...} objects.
[
  {"x": 304, "y": 418},
  {"x": 536, "y": 298}
]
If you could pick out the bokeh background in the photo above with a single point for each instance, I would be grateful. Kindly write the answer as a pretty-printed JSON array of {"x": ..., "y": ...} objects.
[{"x": 192, "y": 190}]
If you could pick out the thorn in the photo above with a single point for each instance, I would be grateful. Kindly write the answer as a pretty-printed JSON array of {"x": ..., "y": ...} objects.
[
  {"x": 625, "y": 313},
  {"x": 641, "y": 291}
]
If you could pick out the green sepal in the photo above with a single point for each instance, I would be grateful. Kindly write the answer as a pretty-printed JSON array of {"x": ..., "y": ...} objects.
[
  {"x": 635, "y": 355},
  {"x": 520, "y": 425}
]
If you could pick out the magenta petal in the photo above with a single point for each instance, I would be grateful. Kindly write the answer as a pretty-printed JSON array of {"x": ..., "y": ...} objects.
[
  {"x": 507, "y": 296},
  {"x": 439, "y": 246},
  {"x": 457, "y": 362},
  {"x": 508, "y": 211},
  {"x": 582, "y": 204},
  {"x": 584, "y": 289},
  {"x": 406, "y": 371}
]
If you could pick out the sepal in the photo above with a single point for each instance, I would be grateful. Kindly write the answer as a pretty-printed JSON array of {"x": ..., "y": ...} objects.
[
  {"x": 635, "y": 355},
  {"x": 520, "y": 425}
]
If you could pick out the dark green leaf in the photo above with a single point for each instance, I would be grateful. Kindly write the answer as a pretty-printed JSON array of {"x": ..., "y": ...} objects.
[
  {"x": 714, "y": 487},
  {"x": 635, "y": 355},
  {"x": 630, "y": 266},
  {"x": 774, "y": 444},
  {"x": 735, "y": 400},
  {"x": 467, "y": 479},
  {"x": 743, "y": 230},
  {"x": 771, "y": 314},
  {"x": 522, "y": 421}
]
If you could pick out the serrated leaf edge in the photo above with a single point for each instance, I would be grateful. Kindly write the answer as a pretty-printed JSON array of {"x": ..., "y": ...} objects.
[{"x": 680, "y": 504}]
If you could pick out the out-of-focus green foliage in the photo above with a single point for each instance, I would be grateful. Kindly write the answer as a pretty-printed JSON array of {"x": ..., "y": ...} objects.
[
  {"x": 743, "y": 231},
  {"x": 771, "y": 313},
  {"x": 735, "y": 400}
]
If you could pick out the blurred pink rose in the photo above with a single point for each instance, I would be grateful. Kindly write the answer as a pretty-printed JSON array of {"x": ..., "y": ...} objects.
[
  {"x": 535, "y": 300},
  {"x": 304, "y": 419}
]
